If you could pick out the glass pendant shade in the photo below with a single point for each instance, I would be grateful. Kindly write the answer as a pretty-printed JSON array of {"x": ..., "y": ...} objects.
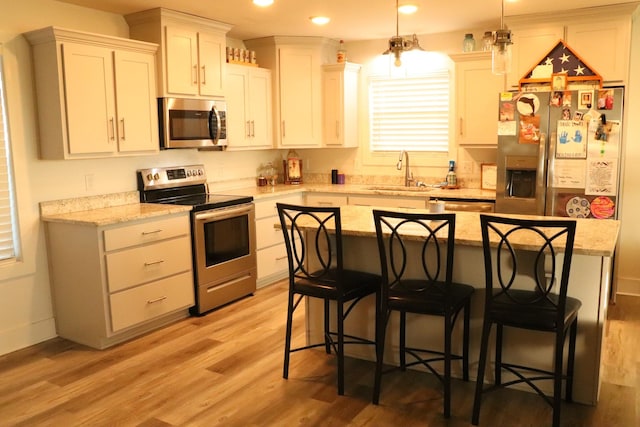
[{"x": 501, "y": 52}]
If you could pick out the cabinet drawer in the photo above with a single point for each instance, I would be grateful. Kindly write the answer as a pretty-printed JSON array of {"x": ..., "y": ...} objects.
[
  {"x": 326, "y": 200},
  {"x": 268, "y": 207},
  {"x": 272, "y": 260},
  {"x": 147, "y": 263},
  {"x": 389, "y": 202},
  {"x": 150, "y": 301},
  {"x": 266, "y": 234},
  {"x": 146, "y": 232}
]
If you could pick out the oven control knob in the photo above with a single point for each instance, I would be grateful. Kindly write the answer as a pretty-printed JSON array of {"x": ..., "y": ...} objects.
[
  {"x": 156, "y": 176},
  {"x": 199, "y": 171},
  {"x": 149, "y": 177}
]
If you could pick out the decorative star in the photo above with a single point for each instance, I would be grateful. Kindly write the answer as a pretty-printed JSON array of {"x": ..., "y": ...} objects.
[
  {"x": 564, "y": 58},
  {"x": 562, "y": 70},
  {"x": 549, "y": 61},
  {"x": 579, "y": 70}
]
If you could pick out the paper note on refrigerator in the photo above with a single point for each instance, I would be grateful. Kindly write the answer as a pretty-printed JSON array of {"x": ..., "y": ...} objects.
[
  {"x": 602, "y": 177},
  {"x": 569, "y": 173},
  {"x": 571, "y": 140}
]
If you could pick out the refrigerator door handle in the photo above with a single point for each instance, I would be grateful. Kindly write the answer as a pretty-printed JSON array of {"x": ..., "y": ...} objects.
[{"x": 541, "y": 178}]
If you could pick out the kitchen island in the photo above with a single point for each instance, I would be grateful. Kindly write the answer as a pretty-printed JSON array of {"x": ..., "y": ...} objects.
[{"x": 590, "y": 281}]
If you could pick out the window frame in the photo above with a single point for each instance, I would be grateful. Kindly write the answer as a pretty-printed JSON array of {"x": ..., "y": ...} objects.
[
  {"x": 383, "y": 66},
  {"x": 7, "y": 186}
]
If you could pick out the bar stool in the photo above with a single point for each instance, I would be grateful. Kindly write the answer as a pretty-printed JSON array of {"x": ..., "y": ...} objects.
[
  {"x": 329, "y": 281},
  {"x": 416, "y": 257},
  {"x": 527, "y": 289}
]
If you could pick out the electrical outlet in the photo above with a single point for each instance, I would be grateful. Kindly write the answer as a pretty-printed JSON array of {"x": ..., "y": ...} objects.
[{"x": 466, "y": 167}]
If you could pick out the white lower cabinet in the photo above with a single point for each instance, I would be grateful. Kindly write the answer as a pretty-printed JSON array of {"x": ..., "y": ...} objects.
[
  {"x": 326, "y": 199},
  {"x": 271, "y": 250},
  {"x": 389, "y": 202},
  {"x": 112, "y": 283}
]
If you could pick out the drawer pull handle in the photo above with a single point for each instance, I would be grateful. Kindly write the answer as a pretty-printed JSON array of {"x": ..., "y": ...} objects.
[
  {"x": 153, "y": 301},
  {"x": 148, "y": 264},
  {"x": 281, "y": 258},
  {"x": 146, "y": 233}
]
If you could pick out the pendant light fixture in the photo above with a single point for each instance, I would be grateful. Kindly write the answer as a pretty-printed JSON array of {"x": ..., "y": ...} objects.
[
  {"x": 398, "y": 44},
  {"x": 501, "y": 50}
]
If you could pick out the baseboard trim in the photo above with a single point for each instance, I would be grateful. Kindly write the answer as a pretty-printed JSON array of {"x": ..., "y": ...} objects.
[
  {"x": 27, "y": 335},
  {"x": 628, "y": 286}
]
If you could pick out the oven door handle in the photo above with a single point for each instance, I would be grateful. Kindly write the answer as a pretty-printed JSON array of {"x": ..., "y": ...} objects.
[{"x": 222, "y": 213}]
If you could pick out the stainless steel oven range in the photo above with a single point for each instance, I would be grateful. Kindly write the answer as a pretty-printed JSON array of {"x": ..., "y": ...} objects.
[{"x": 222, "y": 230}]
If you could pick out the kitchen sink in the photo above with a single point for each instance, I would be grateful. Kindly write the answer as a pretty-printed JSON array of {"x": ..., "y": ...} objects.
[{"x": 399, "y": 188}]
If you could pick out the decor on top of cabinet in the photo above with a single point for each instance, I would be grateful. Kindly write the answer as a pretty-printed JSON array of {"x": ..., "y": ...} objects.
[
  {"x": 241, "y": 56},
  {"x": 292, "y": 168},
  {"x": 561, "y": 60}
]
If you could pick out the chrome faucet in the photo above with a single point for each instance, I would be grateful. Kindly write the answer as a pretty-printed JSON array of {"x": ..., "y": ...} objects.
[{"x": 408, "y": 175}]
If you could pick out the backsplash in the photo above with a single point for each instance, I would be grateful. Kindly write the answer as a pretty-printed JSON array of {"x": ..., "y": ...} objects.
[{"x": 325, "y": 178}]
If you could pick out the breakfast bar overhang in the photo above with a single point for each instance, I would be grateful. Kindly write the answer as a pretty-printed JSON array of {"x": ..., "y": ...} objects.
[{"x": 590, "y": 281}]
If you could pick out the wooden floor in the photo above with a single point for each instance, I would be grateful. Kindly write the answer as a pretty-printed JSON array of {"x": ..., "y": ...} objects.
[{"x": 226, "y": 369}]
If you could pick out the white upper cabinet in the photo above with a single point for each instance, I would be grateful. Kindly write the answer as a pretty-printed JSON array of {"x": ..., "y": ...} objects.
[
  {"x": 340, "y": 104},
  {"x": 604, "y": 45},
  {"x": 477, "y": 90},
  {"x": 529, "y": 46},
  {"x": 136, "y": 101},
  {"x": 297, "y": 86},
  {"x": 96, "y": 94},
  {"x": 250, "y": 118},
  {"x": 600, "y": 36},
  {"x": 192, "y": 59}
]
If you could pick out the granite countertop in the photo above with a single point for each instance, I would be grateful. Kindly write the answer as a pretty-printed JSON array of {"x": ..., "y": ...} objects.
[
  {"x": 381, "y": 190},
  {"x": 116, "y": 214},
  {"x": 593, "y": 237},
  {"x": 105, "y": 209}
]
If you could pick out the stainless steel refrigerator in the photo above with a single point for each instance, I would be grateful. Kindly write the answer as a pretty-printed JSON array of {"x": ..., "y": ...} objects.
[{"x": 559, "y": 152}]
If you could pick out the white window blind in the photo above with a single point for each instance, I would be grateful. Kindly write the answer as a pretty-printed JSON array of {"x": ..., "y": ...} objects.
[
  {"x": 410, "y": 113},
  {"x": 7, "y": 204}
]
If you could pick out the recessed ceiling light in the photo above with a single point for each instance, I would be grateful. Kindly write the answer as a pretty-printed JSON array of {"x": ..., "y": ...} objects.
[
  {"x": 407, "y": 9},
  {"x": 263, "y": 3},
  {"x": 319, "y": 20}
]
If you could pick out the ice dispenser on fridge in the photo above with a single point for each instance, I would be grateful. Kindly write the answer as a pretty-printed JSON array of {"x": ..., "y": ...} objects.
[{"x": 521, "y": 176}]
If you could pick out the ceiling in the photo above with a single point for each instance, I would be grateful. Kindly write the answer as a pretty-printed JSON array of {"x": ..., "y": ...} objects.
[{"x": 349, "y": 19}]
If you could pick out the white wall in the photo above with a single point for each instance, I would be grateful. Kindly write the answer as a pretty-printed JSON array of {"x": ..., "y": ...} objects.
[
  {"x": 25, "y": 304},
  {"x": 627, "y": 264}
]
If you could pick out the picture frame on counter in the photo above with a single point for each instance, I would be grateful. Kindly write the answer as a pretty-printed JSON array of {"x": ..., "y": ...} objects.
[{"x": 488, "y": 175}]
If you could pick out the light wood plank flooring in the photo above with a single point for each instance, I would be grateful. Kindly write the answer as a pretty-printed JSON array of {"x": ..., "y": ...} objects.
[{"x": 226, "y": 369}]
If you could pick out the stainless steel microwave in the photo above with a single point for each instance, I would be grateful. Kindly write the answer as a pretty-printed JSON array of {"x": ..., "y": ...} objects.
[{"x": 192, "y": 123}]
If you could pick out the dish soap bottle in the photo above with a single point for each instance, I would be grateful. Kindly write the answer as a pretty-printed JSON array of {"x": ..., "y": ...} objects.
[{"x": 452, "y": 179}]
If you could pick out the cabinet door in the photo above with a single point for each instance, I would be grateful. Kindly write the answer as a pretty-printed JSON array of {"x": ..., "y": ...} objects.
[
  {"x": 136, "y": 106},
  {"x": 211, "y": 60},
  {"x": 89, "y": 98},
  {"x": 332, "y": 110},
  {"x": 182, "y": 61},
  {"x": 604, "y": 46},
  {"x": 260, "y": 107},
  {"x": 300, "y": 97},
  {"x": 238, "y": 122},
  {"x": 477, "y": 90},
  {"x": 529, "y": 46}
]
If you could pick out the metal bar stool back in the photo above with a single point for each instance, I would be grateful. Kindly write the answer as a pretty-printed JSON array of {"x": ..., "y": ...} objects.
[
  {"x": 313, "y": 238},
  {"x": 416, "y": 257},
  {"x": 527, "y": 264}
]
